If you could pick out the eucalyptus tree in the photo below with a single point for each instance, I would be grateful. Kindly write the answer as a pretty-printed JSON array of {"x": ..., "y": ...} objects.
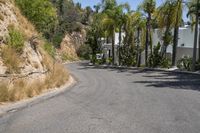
[
  {"x": 148, "y": 7},
  {"x": 194, "y": 12}
]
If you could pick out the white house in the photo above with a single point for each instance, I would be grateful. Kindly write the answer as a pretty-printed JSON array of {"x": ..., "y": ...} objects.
[
  {"x": 184, "y": 48},
  {"x": 185, "y": 42}
]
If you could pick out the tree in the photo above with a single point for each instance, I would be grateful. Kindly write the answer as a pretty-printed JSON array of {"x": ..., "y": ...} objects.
[
  {"x": 194, "y": 9},
  {"x": 148, "y": 7},
  {"x": 94, "y": 33},
  {"x": 120, "y": 22},
  {"x": 109, "y": 21},
  {"x": 179, "y": 12},
  {"x": 166, "y": 20}
]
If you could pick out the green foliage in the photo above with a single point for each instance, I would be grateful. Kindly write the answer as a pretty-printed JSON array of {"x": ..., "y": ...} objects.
[
  {"x": 41, "y": 13},
  {"x": 157, "y": 60},
  {"x": 185, "y": 63},
  {"x": 57, "y": 39},
  {"x": 49, "y": 48},
  {"x": 15, "y": 39},
  {"x": 84, "y": 51},
  {"x": 128, "y": 56}
]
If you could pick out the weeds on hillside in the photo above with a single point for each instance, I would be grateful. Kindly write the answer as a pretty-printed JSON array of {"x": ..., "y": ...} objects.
[
  {"x": 21, "y": 89},
  {"x": 11, "y": 59}
]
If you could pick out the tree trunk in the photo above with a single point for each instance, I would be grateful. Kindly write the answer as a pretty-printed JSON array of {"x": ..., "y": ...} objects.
[
  {"x": 113, "y": 47},
  {"x": 175, "y": 43},
  {"x": 176, "y": 35},
  {"x": 195, "y": 38},
  {"x": 146, "y": 45},
  {"x": 199, "y": 45},
  {"x": 150, "y": 38},
  {"x": 120, "y": 40},
  {"x": 138, "y": 48}
]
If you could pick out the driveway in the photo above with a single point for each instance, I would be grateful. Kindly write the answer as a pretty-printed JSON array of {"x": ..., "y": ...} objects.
[{"x": 109, "y": 100}]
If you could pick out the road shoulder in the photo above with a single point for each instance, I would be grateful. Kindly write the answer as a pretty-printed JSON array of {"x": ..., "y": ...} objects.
[{"x": 14, "y": 107}]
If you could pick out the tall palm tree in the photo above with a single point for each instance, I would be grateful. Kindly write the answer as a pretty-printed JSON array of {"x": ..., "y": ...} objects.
[
  {"x": 178, "y": 19},
  {"x": 121, "y": 22},
  {"x": 110, "y": 25},
  {"x": 166, "y": 15},
  {"x": 194, "y": 9},
  {"x": 148, "y": 7}
]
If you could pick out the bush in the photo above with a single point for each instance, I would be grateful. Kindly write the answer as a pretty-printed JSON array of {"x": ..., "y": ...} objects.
[
  {"x": 57, "y": 39},
  {"x": 49, "y": 49},
  {"x": 128, "y": 56},
  {"x": 84, "y": 51},
  {"x": 41, "y": 13},
  {"x": 156, "y": 59},
  {"x": 16, "y": 39},
  {"x": 185, "y": 63}
]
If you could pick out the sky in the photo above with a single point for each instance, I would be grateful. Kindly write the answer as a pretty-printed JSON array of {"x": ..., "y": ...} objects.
[{"x": 133, "y": 3}]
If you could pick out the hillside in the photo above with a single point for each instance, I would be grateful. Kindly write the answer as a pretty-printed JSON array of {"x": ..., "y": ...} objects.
[{"x": 26, "y": 67}]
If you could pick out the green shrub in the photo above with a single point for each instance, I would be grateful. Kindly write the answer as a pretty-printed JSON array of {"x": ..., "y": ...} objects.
[
  {"x": 49, "y": 48},
  {"x": 185, "y": 63},
  {"x": 16, "y": 39},
  {"x": 156, "y": 59},
  {"x": 57, "y": 39},
  {"x": 84, "y": 51},
  {"x": 128, "y": 56},
  {"x": 41, "y": 13}
]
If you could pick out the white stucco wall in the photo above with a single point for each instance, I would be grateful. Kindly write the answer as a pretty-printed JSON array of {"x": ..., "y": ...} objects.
[{"x": 186, "y": 38}]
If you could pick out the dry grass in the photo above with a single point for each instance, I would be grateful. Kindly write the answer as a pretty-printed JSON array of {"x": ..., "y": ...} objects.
[
  {"x": 4, "y": 91},
  {"x": 1, "y": 17},
  {"x": 25, "y": 26},
  {"x": 57, "y": 77},
  {"x": 23, "y": 89},
  {"x": 3, "y": 1},
  {"x": 10, "y": 59}
]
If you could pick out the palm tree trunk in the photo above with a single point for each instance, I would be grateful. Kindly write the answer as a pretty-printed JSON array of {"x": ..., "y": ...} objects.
[
  {"x": 120, "y": 40},
  {"x": 113, "y": 47},
  {"x": 138, "y": 48},
  {"x": 199, "y": 45},
  {"x": 176, "y": 34},
  {"x": 175, "y": 43},
  {"x": 147, "y": 45},
  {"x": 195, "y": 38}
]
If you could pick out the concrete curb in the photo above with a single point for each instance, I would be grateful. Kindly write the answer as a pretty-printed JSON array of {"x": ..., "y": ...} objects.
[
  {"x": 13, "y": 107},
  {"x": 148, "y": 69}
]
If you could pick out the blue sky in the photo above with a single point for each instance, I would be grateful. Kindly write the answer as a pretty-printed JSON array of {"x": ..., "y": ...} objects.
[{"x": 133, "y": 3}]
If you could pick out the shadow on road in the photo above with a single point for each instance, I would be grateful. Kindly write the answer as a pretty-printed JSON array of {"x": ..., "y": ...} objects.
[{"x": 158, "y": 79}]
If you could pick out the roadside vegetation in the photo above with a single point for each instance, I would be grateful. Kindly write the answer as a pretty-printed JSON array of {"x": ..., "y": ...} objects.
[{"x": 110, "y": 17}]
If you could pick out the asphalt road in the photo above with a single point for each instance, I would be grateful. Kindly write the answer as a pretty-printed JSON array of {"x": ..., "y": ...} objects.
[{"x": 115, "y": 101}]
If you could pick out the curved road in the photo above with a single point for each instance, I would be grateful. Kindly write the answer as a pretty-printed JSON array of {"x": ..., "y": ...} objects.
[{"x": 115, "y": 101}]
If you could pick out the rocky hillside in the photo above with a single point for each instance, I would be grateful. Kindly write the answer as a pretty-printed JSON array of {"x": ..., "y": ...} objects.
[
  {"x": 26, "y": 69},
  {"x": 70, "y": 45}
]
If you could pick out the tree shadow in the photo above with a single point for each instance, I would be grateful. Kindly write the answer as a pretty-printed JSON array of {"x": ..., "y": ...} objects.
[
  {"x": 172, "y": 80},
  {"x": 153, "y": 78}
]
